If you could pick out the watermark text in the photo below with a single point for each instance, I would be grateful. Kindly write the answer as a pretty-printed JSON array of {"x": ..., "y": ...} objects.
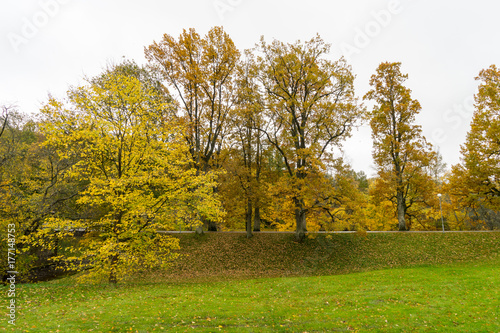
[
  {"x": 31, "y": 26},
  {"x": 224, "y": 6},
  {"x": 363, "y": 36},
  {"x": 11, "y": 273}
]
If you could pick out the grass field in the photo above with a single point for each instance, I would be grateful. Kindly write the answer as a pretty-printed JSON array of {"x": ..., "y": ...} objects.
[
  {"x": 450, "y": 298},
  {"x": 454, "y": 290}
]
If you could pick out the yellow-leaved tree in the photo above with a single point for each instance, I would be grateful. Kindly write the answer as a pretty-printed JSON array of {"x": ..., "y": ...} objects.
[
  {"x": 401, "y": 153},
  {"x": 475, "y": 183},
  {"x": 200, "y": 74},
  {"x": 310, "y": 107},
  {"x": 137, "y": 169}
]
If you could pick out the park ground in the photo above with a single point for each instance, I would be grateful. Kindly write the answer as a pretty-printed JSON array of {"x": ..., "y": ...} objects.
[{"x": 399, "y": 282}]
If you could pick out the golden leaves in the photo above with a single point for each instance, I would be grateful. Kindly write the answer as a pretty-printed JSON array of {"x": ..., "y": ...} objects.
[
  {"x": 475, "y": 182},
  {"x": 138, "y": 170},
  {"x": 401, "y": 153}
]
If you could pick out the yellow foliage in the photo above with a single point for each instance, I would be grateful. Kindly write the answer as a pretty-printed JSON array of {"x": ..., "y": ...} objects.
[
  {"x": 401, "y": 152},
  {"x": 138, "y": 171}
]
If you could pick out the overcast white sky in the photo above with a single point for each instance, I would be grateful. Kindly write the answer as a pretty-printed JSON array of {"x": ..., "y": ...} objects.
[{"x": 47, "y": 45}]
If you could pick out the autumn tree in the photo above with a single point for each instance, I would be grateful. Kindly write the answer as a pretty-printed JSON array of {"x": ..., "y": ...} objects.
[
  {"x": 138, "y": 169},
  {"x": 437, "y": 168},
  {"x": 17, "y": 205},
  {"x": 310, "y": 107},
  {"x": 248, "y": 140},
  {"x": 340, "y": 198},
  {"x": 475, "y": 182},
  {"x": 14, "y": 134},
  {"x": 33, "y": 183},
  {"x": 5, "y": 118},
  {"x": 401, "y": 153},
  {"x": 200, "y": 73}
]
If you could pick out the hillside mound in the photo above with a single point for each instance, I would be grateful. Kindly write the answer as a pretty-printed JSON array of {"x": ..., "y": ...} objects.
[{"x": 220, "y": 256}]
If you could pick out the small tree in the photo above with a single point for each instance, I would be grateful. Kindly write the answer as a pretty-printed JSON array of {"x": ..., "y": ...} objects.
[{"x": 248, "y": 140}]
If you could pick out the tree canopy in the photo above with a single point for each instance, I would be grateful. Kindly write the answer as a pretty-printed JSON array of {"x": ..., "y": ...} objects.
[{"x": 137, "y": 169}]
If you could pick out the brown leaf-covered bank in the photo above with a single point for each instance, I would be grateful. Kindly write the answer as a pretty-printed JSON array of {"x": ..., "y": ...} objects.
[{"x": 220, "y": 256}]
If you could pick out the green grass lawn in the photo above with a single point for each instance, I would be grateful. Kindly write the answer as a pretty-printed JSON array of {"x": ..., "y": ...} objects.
[{"x": 459, "y": 297}]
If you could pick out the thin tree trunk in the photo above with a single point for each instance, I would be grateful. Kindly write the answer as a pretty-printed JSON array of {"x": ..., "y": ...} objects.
[
  {"x": 212, "y": 225},
  {"x": 248, "y": 216},
  {"x": 401, "y": 211},
  {"x": 300, "y": 219},
  {"x": 256, "y": 218},
  {"x": 113, "y": 258},
  {"x": 113, "y": 274},
  {"x": 258, "y": 164}
]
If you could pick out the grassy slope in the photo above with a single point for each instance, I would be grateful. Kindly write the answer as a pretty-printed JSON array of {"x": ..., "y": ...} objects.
[{"x": 227, "y": 256}]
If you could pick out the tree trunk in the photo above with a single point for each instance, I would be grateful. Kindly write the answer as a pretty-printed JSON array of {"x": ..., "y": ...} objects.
[
  {"x": 199, "y": 228},
  {"x": 248, "y": 216},
  {"x": 401, "y": 211},
  {"x": 256, "y": 219},
  {"x": 113, "y": 275},
  {"x": 300, "y": 220}
]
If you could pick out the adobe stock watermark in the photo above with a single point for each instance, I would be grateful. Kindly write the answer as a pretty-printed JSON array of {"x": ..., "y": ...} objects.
[
  {"x": 31, "y": 26},
  {"x": 224, "y": 6},
  {"x": 364, "y": 35},
  {"x": 454, "y": 117},
  {"x": 11, "y": 273}
]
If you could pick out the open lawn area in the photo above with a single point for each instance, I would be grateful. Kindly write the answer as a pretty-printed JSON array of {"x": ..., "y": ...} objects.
[{"x": 462, "y": 297}]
